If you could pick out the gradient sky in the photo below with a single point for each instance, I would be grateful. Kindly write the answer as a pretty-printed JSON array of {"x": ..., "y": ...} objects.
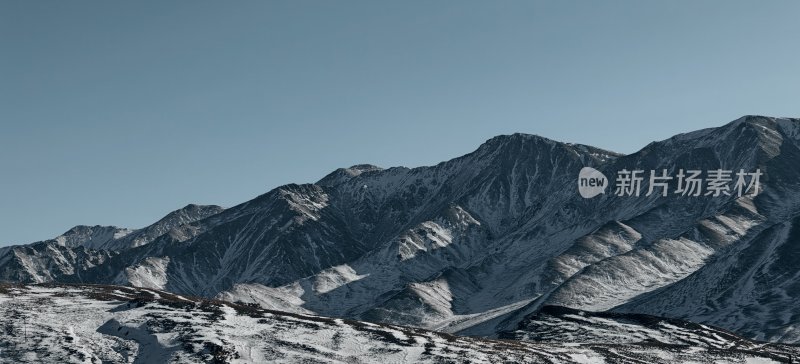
[{"x": 116, "y": 113}]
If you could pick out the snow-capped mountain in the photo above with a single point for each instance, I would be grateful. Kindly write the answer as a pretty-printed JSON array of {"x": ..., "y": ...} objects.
[
  {"x": 480, "y": 244},
  {"x": 175, "y": 219},
  {"x": 48, "y": 261},
  {"x": 68, "y": 255},
  {"x": 93, "y": 237}
]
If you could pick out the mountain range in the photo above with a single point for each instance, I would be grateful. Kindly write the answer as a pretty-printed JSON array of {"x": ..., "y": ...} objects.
[{"x": 494, "y": 244}]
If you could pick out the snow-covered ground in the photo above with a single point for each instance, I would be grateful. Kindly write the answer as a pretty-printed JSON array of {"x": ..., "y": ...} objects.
[{"x": 94, "y": 324}]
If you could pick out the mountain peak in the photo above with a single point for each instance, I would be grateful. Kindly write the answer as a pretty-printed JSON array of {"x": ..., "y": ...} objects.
[
  {"x": 185, "y": 215},
  {"x": 764, "y": 122},
  {"x": 517, "y": 137},
  {"x": 519, "y": 142},
  {"x": 342, "y": 175},
  {"x": 195, "y": 209},
  {"x": 365, "y": 167},
  {"x": 91, "y": 236}
]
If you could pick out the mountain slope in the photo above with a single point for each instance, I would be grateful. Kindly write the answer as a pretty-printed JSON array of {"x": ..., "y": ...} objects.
[
  {"x": 68, "y": 256},
  {"x": 297, "y": 231},
  {"x": 661, "y": 241}
]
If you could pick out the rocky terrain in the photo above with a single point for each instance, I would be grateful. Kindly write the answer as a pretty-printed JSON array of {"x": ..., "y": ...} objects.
[{"x": 93, "y": 324}]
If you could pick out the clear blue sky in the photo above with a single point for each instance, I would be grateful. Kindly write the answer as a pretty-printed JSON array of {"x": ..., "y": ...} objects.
[{"x": 117, "y": 112}]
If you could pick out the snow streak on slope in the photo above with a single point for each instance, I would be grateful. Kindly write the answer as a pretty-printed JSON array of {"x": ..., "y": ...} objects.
[
  {"x": 752, "y": 290},
  {"x": 597, "y": 287}
]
